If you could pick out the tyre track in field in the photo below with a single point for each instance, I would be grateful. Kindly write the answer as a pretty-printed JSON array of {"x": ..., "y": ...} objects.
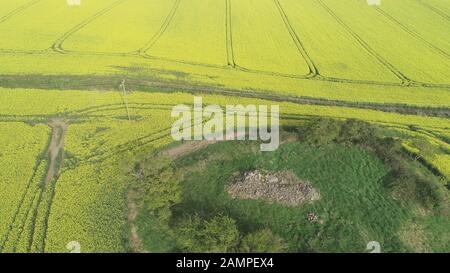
[
  {"x": 236, "y": 68},
  {"x": 36, "y": 211},
  {"x": 168, "y": 107},
  {"x": 88, "y": 111},
  {"x": 184, "y": 62},
  {"x": 164, "y": 133},
  {"x": 56, "y": 160},
  {"x": 435, "y": 10},
  {"x": 22, "y": 201},
  {"x": 6, "y": 236},
  {"x": 24, "y": 221},
  {"x": 411, "y": 32},
  {"x": 163, "y": 86},
  {"x": 135, "y": 143},
  {"x": 142, "y": 141},
  {"x": 229, "y": 35},
  {"x": 57, "y": 46},
  {"x": 239, "y": 68},
  {"x": 19, "y": 10},
  {"x": 131, "y": 144},
  {"x": 119, "y": 107},
  {"x": 313, "y": 71},
  {"x": 404, "y": 79},
  {"x": 165, "y": 25},
  {"x": 274, "y": 74},
  {"x": 16, "y": 52},
  {"x": 125, "y": 147}
]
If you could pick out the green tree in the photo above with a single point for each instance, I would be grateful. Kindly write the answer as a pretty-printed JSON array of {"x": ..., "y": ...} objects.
[
  {"x": 262, "y": 241},
  {"x": 161, "y": 186},
  {"x": 321, "y": 131},
  {"x": 357, "y": 132},
  {"x": 217, "y": 235}
]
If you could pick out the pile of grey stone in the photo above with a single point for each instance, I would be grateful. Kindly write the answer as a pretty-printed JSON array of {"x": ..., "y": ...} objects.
[{"x": 276, "y": 187}]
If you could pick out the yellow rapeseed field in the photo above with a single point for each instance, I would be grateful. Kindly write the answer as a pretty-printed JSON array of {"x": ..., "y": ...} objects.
[{"x": 61, "y": 65}]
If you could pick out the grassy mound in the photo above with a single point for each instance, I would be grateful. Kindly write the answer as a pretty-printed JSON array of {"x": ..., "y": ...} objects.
[{"x": 370, "y": 189}]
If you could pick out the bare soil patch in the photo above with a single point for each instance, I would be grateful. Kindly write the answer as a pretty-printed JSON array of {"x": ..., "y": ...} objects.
[
  {"x": 278, "y": 187},
  {"x": 186, "y": 148},
  {"x": 56, "y": 149}
]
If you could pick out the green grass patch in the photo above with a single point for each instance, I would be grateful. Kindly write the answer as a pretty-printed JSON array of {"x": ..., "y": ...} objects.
[
  {"x": 354, "y": 208},
  {"x": 370, "y": 190}
]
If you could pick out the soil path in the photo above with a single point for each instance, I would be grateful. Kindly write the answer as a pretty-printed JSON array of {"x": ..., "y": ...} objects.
[{"x": 56, "y": 149}]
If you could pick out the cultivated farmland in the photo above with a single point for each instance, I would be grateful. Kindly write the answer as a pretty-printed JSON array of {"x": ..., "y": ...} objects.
[
  {"x": 109, "y": 33},
  {"x": 86, "y": 95},
  {"x": 263, "y": 48}
]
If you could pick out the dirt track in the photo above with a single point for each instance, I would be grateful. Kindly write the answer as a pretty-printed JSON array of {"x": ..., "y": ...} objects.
[{"x": 56, "y": 149}]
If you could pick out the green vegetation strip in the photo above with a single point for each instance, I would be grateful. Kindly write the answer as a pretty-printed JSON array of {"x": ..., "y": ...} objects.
[{"x": 71, "y": 82}]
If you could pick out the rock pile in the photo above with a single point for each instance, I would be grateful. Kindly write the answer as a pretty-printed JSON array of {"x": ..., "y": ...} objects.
[{"x": 279, "y": 187}]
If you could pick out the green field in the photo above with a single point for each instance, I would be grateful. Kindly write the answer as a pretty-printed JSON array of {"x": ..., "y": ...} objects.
[{"x": 69, "y": 139}]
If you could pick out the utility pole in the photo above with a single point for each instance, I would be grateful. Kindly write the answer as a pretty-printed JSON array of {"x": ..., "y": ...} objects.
[{"x": 125, "y": 98}]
